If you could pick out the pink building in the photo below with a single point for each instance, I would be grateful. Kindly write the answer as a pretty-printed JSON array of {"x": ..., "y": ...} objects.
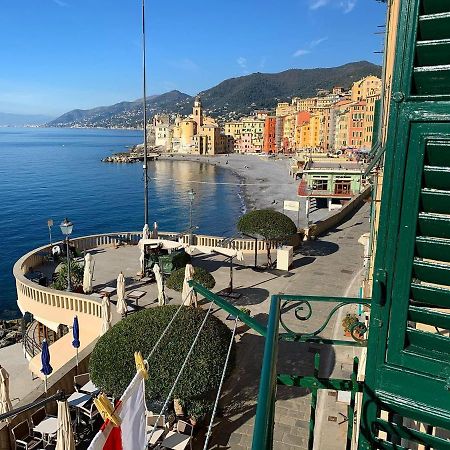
[{"x": 245, "y": 144}]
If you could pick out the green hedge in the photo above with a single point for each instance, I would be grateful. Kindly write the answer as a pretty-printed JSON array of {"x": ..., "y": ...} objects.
[
  {"x": 112, "y": 366},
  {"x": 202, "y": 276}
]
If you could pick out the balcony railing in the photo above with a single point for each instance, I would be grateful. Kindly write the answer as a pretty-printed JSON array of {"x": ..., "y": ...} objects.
[{"x": 302, "y": 306}]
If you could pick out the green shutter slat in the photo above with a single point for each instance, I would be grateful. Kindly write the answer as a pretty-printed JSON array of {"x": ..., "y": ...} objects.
[
  {"x": 434, "y": 6},
  {"x": 434, "y": 26},
  {"x": 431, "y": 272},
  {"x": 437, "y": 177},
  {"x": 431, "y": 80},
  {"x": 437, "y": 153},
  {"x": 433, "y": 248},
  {"x": 429, "y": 317},
  {"x": 436, "y": 225},
  {"x": 433, "y": 343},
  {"x": 410, "y": 434},
  {"x": 435, "y": 201},
  {"x": 431, "y": 295},
  {"x": 433, "y": 53}
]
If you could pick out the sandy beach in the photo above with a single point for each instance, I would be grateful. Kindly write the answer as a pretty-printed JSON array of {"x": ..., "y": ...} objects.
[{"x": 266, "y": 182}]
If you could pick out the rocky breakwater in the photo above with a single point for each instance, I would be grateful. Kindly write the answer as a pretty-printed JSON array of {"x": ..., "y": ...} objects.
[
  {"x": 10, "y": 332},
  {"x": 121, "y": 158}
]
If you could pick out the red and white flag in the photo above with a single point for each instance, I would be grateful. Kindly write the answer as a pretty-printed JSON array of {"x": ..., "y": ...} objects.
[{"x": 131, "y": 434}]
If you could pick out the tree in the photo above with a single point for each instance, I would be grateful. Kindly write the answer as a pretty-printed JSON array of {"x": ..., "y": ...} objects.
[
  {"x": 112, "y": 366},
  {"x": 269, "y": 225}
]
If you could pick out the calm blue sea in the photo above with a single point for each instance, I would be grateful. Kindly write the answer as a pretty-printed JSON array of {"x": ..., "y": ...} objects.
[{"x": 57, "y": 173}]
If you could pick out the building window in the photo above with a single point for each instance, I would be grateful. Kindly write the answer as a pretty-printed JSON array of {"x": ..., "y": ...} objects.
[
  {"x": 342, "y": 187},
  {"x": 320, "y": 185}
]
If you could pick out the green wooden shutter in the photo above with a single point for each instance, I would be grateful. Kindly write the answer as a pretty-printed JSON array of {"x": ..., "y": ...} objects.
[{"x": 407, "y": 391}]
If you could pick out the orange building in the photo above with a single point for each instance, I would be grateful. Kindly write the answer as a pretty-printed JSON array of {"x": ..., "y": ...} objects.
[
  {"x": 356, "y": 124},
  {"x": 269, "y": 144}
]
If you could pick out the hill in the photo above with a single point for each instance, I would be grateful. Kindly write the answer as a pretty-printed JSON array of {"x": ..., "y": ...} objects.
[
  {"x": 231, "y": 98},
  {"x": 123, "y": 114},
  {"x": 264, "y": 90}
]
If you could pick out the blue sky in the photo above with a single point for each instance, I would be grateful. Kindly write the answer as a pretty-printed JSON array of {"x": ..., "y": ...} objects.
[{"x": 57, "y": 55}]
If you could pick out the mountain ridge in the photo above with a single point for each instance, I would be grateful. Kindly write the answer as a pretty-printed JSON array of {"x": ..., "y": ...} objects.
[{"x": 231, "y": 98}]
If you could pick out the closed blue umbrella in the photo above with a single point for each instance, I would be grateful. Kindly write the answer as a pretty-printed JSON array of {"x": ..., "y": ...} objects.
[
  {"x": 76, "y": 335},
  {"x": 45, "y": 359}
]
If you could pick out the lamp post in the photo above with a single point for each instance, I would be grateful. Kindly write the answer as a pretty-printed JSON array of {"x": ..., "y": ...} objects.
[
  {"x": 66, "y": 229},
  {"x": 191, "y": 194}
]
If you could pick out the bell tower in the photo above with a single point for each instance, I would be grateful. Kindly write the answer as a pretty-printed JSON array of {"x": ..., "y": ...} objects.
[{"x": 197, "y": 111}]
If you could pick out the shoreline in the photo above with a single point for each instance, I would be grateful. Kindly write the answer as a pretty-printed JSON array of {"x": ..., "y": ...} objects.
[{"x": 265, "y": 183}]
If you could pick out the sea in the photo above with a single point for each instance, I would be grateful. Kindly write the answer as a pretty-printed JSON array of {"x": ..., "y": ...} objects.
[{"x": 53, "y": 173}]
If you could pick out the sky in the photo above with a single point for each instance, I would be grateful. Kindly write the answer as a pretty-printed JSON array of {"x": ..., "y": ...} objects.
[{"x": 58, "y": 55}]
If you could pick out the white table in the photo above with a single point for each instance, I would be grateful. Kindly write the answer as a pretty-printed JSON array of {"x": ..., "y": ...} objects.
[
  {"x": 176, "y": 441},
  {"x": 78, "y": 399},
  {"x": 108, "y": 290},
  {"x": 89, "y": 388},
  {"x": 48, "y": 427},
  {"x": 155, "y": 436},
  {"x": 136, "y": 295}
]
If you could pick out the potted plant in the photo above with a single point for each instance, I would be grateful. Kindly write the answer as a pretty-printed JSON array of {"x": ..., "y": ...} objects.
[{"x": 347, "y": 323}]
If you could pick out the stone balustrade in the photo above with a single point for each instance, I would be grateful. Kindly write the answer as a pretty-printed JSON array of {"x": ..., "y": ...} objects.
[{"x": 55, "y": 306}]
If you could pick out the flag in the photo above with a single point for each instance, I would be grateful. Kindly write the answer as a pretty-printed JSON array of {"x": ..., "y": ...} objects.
[{"x": 131, "y": 434}]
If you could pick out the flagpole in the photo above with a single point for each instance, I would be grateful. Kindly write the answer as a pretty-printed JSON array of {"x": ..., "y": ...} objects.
[{"x": 144, "y": 105}]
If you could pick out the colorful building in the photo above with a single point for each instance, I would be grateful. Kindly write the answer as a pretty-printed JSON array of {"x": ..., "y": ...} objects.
[{"x": 269, "y": 144}]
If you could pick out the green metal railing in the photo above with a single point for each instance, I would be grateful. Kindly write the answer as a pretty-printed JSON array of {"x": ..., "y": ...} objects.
[{"x": 265, "y": 411}]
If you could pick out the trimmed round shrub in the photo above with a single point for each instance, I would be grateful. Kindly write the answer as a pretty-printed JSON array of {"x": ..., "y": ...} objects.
[
  {"x": 112, "y": 365},
  {"x": 269, "y": 224},
  {"x": 202, "y": 276}
]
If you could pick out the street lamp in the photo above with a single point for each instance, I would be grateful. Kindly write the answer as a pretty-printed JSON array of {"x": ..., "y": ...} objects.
[
  {"x": 191, "y": 194},
  {"x": 66, "y": 229}
]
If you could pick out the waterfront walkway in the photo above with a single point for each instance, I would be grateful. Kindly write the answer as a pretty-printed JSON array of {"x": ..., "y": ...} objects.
[{"x": 330, "y": 266}]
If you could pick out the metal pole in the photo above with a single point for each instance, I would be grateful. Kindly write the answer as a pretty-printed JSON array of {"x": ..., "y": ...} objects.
[
  {"x": 68, "y": 264},
  {"x": 190, "y": 214},
  {"x": 144, "y": 105}
]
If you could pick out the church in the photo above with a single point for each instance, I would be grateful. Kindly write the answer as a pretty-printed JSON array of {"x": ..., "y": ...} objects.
[{"x": 195, "y": 134}]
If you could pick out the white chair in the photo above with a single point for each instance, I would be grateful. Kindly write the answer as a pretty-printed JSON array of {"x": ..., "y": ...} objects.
[
  {"x": 161, "y": 428},
  {"x": 90, "y": 412},
  {"x": 23, "y": 437},
  {"x": 80, "y": 380}
]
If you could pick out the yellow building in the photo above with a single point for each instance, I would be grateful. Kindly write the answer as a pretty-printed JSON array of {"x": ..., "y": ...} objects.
[
  {"x": 304, "y": 104},
  {"x": 248, "y": 134},
  {"x": 284, "y": 109},
  {"x": 365, "y": 87},
  {"x": 199, "y": 134},
  {"x": 369, "y": 115}
]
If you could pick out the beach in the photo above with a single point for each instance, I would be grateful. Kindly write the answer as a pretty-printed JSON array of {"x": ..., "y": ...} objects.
[{"x": 266, "y": 182}]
